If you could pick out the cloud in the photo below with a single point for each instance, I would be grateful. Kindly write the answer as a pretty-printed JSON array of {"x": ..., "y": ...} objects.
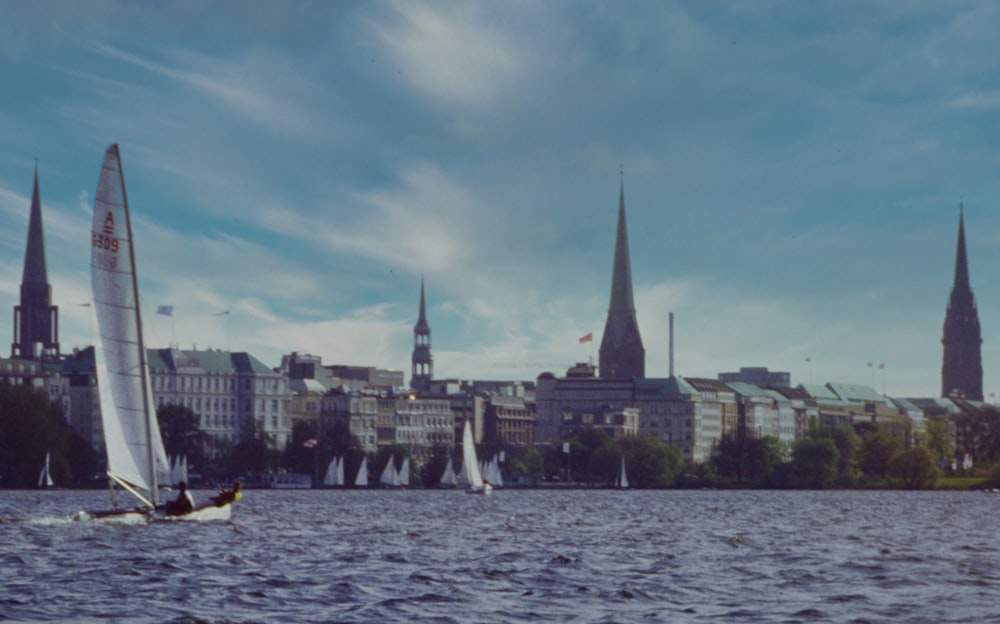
[{"x": 452, "y": 54}]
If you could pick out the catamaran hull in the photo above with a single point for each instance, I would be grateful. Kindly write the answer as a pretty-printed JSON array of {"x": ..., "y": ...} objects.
[
  {"x": 202, "y": 514},
  {"x": 143, "y": 516}
]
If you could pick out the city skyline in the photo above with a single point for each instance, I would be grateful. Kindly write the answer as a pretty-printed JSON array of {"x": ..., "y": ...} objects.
[{"x": 792, "y": 176}]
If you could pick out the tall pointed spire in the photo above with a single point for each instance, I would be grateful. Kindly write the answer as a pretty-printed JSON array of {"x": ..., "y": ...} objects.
[
  {"x": 36, "y": 326},
  {"x": 422, "y": 363},
  {"x": 962, "y": 368},
  {"x": 622, "y": 355}
]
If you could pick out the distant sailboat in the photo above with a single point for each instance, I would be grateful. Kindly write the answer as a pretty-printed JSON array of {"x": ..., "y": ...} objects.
[
  {"x": 621, "y": 481},
  {"x": 45, "y": 477},
  {"x": 334, "y": 473},
  {"x": 389, "y": 476},
  {"x": 449, "y": 478},
  {"x": 361, "y": 480},
  {"x": 403, "y": 476},
  {"x": 470, "y": 464}
]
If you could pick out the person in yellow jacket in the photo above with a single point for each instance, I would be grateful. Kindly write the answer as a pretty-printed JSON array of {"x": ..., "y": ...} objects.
[{"x": 225, "y": 497}]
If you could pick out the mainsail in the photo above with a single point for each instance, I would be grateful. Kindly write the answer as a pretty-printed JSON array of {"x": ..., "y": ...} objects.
[
  {"x": 135, "y": 451},
  {"x": 470, "y": 465}
]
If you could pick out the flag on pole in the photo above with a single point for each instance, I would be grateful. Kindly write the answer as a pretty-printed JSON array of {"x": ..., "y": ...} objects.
[
  {"x": 165, "y": 310},
  {"x": 588, "y": 338},
  {"x": 310, "y": 443}
]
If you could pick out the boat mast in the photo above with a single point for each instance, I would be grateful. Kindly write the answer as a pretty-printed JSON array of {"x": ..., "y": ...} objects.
[{"x": 154, "y": 487}]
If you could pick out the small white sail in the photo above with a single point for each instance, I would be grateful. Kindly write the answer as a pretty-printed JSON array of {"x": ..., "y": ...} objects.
[
  {"x": 622, "y": 479},
  {"x": 449, "y": 478},
  {"x": 338, "y": 476},
  {"x": 331, "y": 473},
  {"x": 389, "y": 476},
  {"x": 403, "y": 476},
  {"x": 362, "y": 479},
  {"x": 45, "y": 477}
]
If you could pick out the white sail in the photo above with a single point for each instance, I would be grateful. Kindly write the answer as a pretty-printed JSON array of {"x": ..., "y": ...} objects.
[
  {"x": 362, "y": 479},
  {"x": 389, "y": 476},
  {"x": 449, "y": 478},
  {"x": 338, "y": 476},
  {"x": 183, "y": 473},
  {"x": 331, "y": 473},
  {"x": 470, "y": 464},
  {"x": 131, "y": 436},
  {"x": 403, "y": 476},
  {"x": 45, "y": 477},
  {"x": 622, "y": 480}
]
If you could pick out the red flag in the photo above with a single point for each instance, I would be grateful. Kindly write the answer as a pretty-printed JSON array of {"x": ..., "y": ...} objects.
[
  {"x": 310, "y": 443},
  {"x": 588, "y": 338}
]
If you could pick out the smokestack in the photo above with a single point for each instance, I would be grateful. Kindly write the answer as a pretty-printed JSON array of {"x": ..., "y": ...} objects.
[{"x": 671, "y": 344}]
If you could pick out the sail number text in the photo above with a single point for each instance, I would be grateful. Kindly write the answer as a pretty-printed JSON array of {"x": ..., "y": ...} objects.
[{"x": 105, "y": 243}]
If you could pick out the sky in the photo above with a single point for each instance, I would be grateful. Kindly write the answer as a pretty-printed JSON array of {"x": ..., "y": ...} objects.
[{"x": 792, "y": 174}]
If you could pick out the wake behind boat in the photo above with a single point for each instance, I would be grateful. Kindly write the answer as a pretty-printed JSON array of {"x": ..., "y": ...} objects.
[{"x": 137, "y": 461}]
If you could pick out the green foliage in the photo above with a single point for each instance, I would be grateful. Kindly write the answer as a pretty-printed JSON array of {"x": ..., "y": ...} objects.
[
  {"x": 815, "y": 462},
  {"x": 252, "y": 453},
  {"x": 877, "y": 452},
  {"x": 914, "y": 468},
  {"x": 936, "y": 438},
  {"x": 649, "y": 462},
  {"x": 30, "y": 427},
  {"x": 434, "y": 466},
  {"x": 747, "y": 458},
  {"x": 182, "y": 435}
]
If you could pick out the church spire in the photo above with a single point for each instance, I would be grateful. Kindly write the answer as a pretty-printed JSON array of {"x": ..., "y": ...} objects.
[
  {"x": 962, "y": 368},
  {"x": 36, "y": 327},
  {"x": 622, "y": 355},
  {"x": 422, "y": 363}
]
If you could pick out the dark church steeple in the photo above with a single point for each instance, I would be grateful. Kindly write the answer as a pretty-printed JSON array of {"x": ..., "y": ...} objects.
[
  {"x": 423, "y": 364},
  {"x": 622, "y": 355},
  {"x": 962, "y": 370},
  {"x": 36, "y": 320}
]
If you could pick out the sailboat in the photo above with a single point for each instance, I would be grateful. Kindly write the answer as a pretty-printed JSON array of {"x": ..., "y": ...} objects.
[
  {"x": 470, "y": 465},
  {"x": 45, "y": 477},
  {"x": 137, "y": 461},
  {"x": 361, "y": 480},
  {"x": 403, "y": 476},
  {"x": 389, "y": 475},
  {"x": 448, "y": 477},
  {"x": 621, "y": 480},
  {"x": 334, "y": 473}
]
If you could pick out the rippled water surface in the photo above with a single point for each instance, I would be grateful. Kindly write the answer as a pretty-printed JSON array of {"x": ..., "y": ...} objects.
[{"x": 517, "y": 556}]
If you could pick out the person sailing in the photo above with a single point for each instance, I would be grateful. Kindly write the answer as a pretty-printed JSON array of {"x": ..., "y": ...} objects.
[
  {"x": 183, "y": 504},
  {"x": 226, "y": 497}
]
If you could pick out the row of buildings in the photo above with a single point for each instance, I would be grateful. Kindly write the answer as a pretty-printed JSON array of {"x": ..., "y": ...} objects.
[{"x": 229, "y": 390}]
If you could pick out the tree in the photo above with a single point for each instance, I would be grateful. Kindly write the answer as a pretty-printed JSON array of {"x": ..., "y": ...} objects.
[
  {"x": 815, "y": 462},
  {"x": 915, "y": 468},
  {"x": 650, "y": 462},
  {"x": 847, "y": 443},
  {"x": 878, "y": 448},
  {"x": 30, "y": 427},
  {"x": 182, "y": 434},
  {"x": 252, "y": 452},
  {"x": 936, "y": 432},
  {"x": 747, "y": 457}
]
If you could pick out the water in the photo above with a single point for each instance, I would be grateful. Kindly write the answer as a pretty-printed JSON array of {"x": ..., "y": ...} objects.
[{"x": 516, "y": 556}]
